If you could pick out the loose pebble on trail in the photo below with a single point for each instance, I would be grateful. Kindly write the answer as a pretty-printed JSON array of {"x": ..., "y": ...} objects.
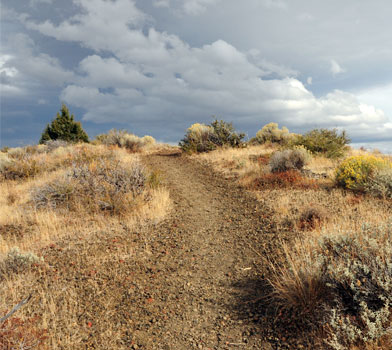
[
  {"x": 209, "y": 258},
  {"x": 192, "y": 281}
]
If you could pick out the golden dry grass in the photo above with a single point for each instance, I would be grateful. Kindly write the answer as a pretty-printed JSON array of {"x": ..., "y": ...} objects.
[
  {"x": 84, "y": 269},
  {"x": 296, "y": 283}
]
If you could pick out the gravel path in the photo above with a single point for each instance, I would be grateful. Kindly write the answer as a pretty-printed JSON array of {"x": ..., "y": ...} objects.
[{"x": 207, "y": 259}]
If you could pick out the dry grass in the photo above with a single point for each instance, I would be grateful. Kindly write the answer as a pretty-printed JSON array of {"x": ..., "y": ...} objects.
[
  {"x": 87, "y": 256},
  {"x": 311, "y": 207}
]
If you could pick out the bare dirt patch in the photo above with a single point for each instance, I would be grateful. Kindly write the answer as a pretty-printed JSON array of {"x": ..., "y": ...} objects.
[{"x": 193, "y": 281}]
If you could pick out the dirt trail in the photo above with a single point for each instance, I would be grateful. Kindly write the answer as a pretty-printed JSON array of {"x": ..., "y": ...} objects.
[{"x": 206, "y": 262}]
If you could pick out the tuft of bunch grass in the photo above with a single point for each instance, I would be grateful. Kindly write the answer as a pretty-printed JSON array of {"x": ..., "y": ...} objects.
[
  {"x": 311, "y": 218},
  {"x": 342, "y": 284}
]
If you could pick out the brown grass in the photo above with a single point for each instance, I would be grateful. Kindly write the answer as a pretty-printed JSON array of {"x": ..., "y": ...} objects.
[
  {"x": 88, "y": 256},
  {"x": 309, "y": 205}
]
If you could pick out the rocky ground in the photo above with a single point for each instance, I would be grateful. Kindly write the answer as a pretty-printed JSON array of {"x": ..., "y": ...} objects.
[{"x": 194, "y": 281}]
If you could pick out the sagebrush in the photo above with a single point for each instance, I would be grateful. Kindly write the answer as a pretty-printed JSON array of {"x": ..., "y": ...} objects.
[
  {"x": 290, "y": 159},
  {"x": 343, "y": 284},
  {"x": 204, "y": 138}
]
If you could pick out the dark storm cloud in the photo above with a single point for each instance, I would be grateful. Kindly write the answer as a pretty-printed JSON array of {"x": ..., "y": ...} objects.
[{"x": 158, "y": 66}]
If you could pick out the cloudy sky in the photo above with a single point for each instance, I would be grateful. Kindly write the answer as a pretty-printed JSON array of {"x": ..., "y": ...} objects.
[{"x": 157, "y": 66}]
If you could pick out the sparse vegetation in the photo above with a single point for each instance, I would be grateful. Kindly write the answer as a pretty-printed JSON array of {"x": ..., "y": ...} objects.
[
  {"x": 81, "y": 199},
  {"x": 331, "y": 279},
  {"x": 19, "y": 334},
  {"x": 204, "y": 138},
  {"x": 108, "y": 280},
  {"x": 344, "y": 281}
]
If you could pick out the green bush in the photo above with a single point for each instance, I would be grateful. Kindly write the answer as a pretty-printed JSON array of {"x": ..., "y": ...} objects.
[
  {"x": 324, "y": 141},
  {"x": 271, "y": 133},
  {"x": 290, "y": 159},
  {"x": 357, "y": 172},
  {"x": 63, "y": 127},
  {"x": 204, "y": 138}
]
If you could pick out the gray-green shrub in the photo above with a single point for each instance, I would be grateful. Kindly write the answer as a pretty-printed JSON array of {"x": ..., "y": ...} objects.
[
  {"x": 290, "y": 159},
  {"x": 123, "y": 138},
  {"x": 342, "y": 285},
  {"x": 380, "y": 184},
  {"x": 17, "y": 262},
  {"x": 106, "y": 185},
  {"x": 204, "y": 138},
  {"x": 271, "y": 133}
]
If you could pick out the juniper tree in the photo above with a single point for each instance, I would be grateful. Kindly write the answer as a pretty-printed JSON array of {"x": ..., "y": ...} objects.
[{"x": 64, "y": 127}]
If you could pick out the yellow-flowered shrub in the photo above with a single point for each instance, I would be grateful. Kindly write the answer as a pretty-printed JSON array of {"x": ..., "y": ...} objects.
[{"x": 355, "y": 172}]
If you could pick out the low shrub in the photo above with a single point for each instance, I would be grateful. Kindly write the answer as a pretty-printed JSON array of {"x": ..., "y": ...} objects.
[
  {"x": 342, "y": 285},
  {"x": 198, "y": 138},
  {"x": 271, "y": 133},
  {"x": 123, "y": 138},
  {"x": 291, "y": 159},
  {"x": 54, "y": 144},
  {"x": 380, "y": 184},
  {"x": 204, "y": 138},
  {"x": 329, "y": 143},
  {"x": 225, "y": 135},
  {"x": 356, "y": 173},
  {"x": 284, "y": 179},
  {"x": 5, "y": 161},
  {"x": 17, "y": 262},
  {"x": 20, "y": 169},
  {"x": 104, "y": 185}
]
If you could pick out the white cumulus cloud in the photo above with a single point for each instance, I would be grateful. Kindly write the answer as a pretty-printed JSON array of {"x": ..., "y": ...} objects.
[{"x": 150, "y": 77}]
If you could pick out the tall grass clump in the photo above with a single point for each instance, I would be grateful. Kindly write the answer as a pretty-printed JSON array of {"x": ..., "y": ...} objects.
[
  {"x": 365, "y": 173},
  {"x": 326, "y": 142},
  {"x": 124, "y": 139},
  {"x": 341, "y": 285},
  {"x": 204, "y": 138}
]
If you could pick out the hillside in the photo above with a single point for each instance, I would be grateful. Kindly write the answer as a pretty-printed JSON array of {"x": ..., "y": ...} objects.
[{"x": 196, "y": 271}]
